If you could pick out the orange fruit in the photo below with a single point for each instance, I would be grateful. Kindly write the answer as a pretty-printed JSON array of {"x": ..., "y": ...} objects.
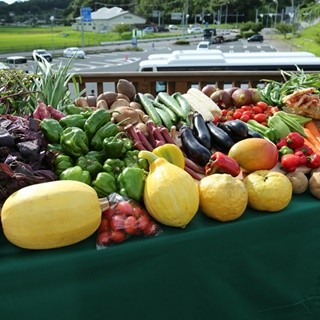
[{"x": 254, "y": 154}]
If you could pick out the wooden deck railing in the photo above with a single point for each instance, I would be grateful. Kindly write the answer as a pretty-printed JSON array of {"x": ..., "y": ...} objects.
[{"x": 145, "y": 82}]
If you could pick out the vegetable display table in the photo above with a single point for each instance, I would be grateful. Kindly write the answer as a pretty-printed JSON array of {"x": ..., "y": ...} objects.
[{"x": 262, "y": 266}]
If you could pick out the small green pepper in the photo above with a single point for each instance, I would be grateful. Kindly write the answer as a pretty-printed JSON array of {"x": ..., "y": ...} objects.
[
  {"x": 89, "y": 163},
  {"x": 73, "y": 120},
  {"x": 131, "y": 159},
  {"x": 104, "y": 184},
  {"x": 99, "y": 155},
  {"x": 51, "y": 129},
  {"x": 72, "y": 109},
  {"x": 61, "y": 163},
  {"x": 109, "y": 129},
  {"x": 76, "y": 173},
  {"x": 131, "y": 183},
  {"x": 74, "y": 142},
  {"x": 116, "y": 147},
  {"x": 285, "y": 150},
  {"x": 96, "y": 120},
  {"x": 113, "y": 166}
]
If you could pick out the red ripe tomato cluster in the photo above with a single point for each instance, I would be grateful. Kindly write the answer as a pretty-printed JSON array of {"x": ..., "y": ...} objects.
[
  {"x": 122, "y": 220},
  {"x": 259, "y": 112}
]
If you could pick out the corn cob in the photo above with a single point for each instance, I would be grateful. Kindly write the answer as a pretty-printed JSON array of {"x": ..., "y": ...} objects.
[
  {"x": 205, "y": 101},
  {"x": 197, "y": 105}
]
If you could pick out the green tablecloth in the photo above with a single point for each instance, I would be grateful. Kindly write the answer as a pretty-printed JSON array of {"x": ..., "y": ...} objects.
[{"x": 264, "y": 266}]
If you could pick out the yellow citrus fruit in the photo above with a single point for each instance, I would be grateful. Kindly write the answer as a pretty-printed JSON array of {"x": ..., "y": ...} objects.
[
  {"x": 222, "y": 197},
  {"x": 268, "y": 190}
]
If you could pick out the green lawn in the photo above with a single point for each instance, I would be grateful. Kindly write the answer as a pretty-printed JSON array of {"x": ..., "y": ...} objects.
[{"x": 19, "y": 39}]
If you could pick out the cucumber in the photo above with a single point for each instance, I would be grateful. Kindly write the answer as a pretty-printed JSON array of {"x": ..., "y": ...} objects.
[
  {"x": 183, "y": 102},
  {"x": 165, "y": 117},
  {"x": 149, "y": 108},
  {"x": 172, "y": 104},
  {"x": 159, "y": 105}
]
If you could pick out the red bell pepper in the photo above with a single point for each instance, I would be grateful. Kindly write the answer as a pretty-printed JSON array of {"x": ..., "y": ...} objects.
[
  {"x": 221, "y": 163},
  {"x": 290, "y": 162},
  {"x": 313, "y": 161},
  {"x": 295, "y": 140}
]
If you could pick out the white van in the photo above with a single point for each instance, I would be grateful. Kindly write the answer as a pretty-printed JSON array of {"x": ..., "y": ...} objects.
[
  {"x": 18, "y": 63},
  {"x": 203, "y": 45}
]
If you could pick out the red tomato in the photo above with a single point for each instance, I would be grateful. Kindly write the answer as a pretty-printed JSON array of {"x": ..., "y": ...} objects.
[
  {"x": 104, "y": 224},
  {"x": 143, "y": 222},
  {"x": 151, "y": 230},
  {"x": 262, "y": 105},
  {"x": 137, "y": 211},
  {"x": 246, "y": 108},
  {"x": 249, "y": 113},
  {"x": 260, "y": 117},
  {"x": 245, "y": 117},
  {"x": 123, "y": 207},
  {"x": 108, "y": 213},
  {"x": 117, "y": 222},
  {"x": 256, "y": 109},
  {"x": 118, "y": 236},
  {"x": 237, "y": 115},
  {"x": 130, "y": 225},
  {"x": 104, "y": 238}
]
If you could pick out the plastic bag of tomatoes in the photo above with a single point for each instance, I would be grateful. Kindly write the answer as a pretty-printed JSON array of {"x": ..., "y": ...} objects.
[{"x": 121, "y": 219}]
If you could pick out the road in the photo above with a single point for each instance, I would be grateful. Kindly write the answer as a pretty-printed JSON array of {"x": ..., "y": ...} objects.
[{"x": 129, "y": 60}]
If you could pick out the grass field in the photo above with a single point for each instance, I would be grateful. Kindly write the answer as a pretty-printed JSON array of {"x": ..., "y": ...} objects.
[
  {"x": 24, "y": 39},
  {"x": 17, "y": 39}
]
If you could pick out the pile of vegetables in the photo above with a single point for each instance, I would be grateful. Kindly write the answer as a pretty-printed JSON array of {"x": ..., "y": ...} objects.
[{"x": 136, "y": 149}]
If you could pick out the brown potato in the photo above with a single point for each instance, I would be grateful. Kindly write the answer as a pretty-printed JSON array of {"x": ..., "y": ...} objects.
[
  {"x": 119, "y": 103},
  {"x": 125, "y": 112},
  {"x": 299, "y": 181},
  {"x": 314, "y": 184},
  {"x": 108, "y": 96},
  {"x": 81, "y": 102},
  {"x": 127, "y": 88}
]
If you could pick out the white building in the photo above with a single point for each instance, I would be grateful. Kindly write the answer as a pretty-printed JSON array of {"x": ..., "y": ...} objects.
[{"x": 104, "y": 19}]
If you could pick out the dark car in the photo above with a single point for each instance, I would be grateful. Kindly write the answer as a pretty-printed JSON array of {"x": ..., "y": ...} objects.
[
  {"x": 256, "y": 38},
  {"x": 37, "y": 54}
]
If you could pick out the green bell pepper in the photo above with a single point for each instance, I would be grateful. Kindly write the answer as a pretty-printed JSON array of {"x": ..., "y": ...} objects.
[
  {"x": 51, "y": 129},
  {"x": 109, "y": 129},
  {"x": 73, "y": 120},
  {"x": 131, "y": 159},
  {"x": 72, "y": 109},
  {"x": 104, "y": 184},
  {"x": 74, "y": 142},
  {"x": 131, "y": 183},
  {"x": 76, "y": 173},
  {"x": 89, "y": 163},
  {"x": 115, "y": 147},
  {"x": 61, "y": 163},
  {"x": 99, "y": 155},
  {"x": 96, "y": 120},
  {"x": 113, "y": 166}
]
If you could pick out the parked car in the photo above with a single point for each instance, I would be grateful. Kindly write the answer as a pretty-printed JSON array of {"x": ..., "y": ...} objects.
[
  {"x": 203, "y": 45},
  {"x": 256, "y": 38},
  {"x": 74, "y": 52},
  {"x": 162, "y": 29},
  {"x": 172, "y": 27},
  {"x": 148, "y": 30},
  {"x": 195, "y": 30},
  {"x": 3, "y": 66},
  {"x": 18, "y": 63},
  {"x": 38, "y": 53}
]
